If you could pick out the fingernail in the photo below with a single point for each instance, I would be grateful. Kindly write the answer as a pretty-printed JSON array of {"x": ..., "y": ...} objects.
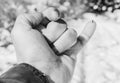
[
  {"x": 91, "y": 23},
  {"x": 89, "y": 29}
]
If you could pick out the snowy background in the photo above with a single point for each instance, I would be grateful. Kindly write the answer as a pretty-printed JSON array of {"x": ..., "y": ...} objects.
[{"x": 99, "y": 62}]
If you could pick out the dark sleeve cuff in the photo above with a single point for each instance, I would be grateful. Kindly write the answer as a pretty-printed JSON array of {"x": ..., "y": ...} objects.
[{"x": 27, "y": 73}]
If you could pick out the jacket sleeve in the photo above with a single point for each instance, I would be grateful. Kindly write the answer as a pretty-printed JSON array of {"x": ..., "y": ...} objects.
[{"x": 23, "y": 73}]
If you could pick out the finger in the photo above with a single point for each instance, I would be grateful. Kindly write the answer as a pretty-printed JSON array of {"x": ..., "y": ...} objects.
[
  {"x": 28, "y": 21},
  {"x": 67, "y": 40},
  {"x": 82, "y": 39},
  {"x": 87, "y": 32},
  {"x": 52, "y": 14},
  {"x": 54, "y": 30}
]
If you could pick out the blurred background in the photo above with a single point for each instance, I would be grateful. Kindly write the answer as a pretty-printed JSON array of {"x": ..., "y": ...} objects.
[{"x": 99, "y": 61}]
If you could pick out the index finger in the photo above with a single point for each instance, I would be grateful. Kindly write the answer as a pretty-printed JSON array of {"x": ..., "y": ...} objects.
[{"x": 28, "y": 21}]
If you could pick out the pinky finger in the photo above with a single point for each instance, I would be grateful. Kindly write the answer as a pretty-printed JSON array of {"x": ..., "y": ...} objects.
[
  {"x": 82, "y": 39},
  {"x": 87, "y": 32}
]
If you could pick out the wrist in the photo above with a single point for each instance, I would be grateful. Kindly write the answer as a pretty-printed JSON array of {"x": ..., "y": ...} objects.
[
  {"x": 42, "y": 76},
  {"x": 40, "y": 66}
]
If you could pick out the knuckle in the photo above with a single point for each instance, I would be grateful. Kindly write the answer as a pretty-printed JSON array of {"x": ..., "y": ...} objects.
[
  {"x": 20, "y": 17},
  {"x": 72, "y": 36},
  {"x": 53, "y": 25},
  {"x": 56, "y": 29},
  {"x": 56, "y": 25},
  {"x": 52, "y": 14},
  {"x": 82, "y": 40},
  {"x": 19, "y": 22},
  {"x": 72, "y": 33}
]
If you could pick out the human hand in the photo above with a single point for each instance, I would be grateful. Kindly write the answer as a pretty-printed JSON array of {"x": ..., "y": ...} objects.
[{"x": 29, "y": 38}]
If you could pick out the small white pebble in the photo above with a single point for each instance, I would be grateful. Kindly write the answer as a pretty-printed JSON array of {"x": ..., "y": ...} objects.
[
  {"x": 67, "y": 4},
  {"x": 95, "y": 7},
  {"x": 110, "y": 9},
  {"x": 104, "y": 8},
  {"x": 117, "y": 6}
]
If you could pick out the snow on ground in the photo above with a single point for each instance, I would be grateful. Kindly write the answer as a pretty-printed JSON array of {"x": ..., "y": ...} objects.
[
  {"x": 7, "y": 58},
  {"x": 99, "y": 62}
]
